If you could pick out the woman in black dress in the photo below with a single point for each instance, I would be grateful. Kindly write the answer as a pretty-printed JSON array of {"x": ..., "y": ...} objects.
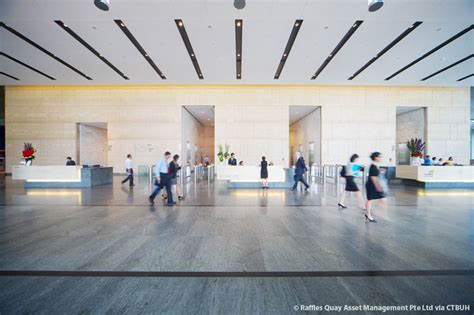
[
  {"x": 264, "y": 173},
  {"x": 352, "y": 170},
  {"x": 173, "y": 172},
  {"x": 374, "y": 187}
]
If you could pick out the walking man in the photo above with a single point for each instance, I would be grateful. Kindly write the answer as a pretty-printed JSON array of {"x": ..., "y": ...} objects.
[
  {"x": 129, "y": 169},
  {"x": 300, "y": 169},
  {"x": 163, "y": 179}
]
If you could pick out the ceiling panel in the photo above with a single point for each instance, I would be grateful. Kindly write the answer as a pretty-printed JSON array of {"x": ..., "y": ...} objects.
[{"x": 210, "y": 27}]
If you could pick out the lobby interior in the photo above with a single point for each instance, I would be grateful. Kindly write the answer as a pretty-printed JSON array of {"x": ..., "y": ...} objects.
[{"x": 283, "y": 79}]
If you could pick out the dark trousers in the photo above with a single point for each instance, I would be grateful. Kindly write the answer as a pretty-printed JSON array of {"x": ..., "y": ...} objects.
[
  {"x": 129, "y": 177},
  {"x": 300, "y": 178},
  {"x": 165, "y": 181}
]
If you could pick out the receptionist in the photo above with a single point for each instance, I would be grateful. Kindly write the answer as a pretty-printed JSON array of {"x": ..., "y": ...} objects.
[{"x": 232, "y": 160}]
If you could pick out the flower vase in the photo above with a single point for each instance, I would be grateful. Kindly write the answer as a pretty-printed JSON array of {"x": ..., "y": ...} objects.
[{"x": 415, "y": 161}]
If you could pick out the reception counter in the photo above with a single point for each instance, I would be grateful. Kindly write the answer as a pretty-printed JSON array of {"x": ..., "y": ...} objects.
[
  {"x": 60, "y": 176},
  {"x": 249, "y": 176},
  {"x": 437, "y": 176}
]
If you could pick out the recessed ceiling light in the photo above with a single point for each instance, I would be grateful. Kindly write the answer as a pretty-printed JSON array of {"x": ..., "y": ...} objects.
[
  {"x": 297, "y": 24},
  {"x": 374, "y": 5},
  {"x": 64, "y": 25},
  {"x": 238, "y": 24},
  {"x": 122, "y": 25},
  {"x": 102, "y": 4},
  {"x": 180, "y": 23},
  {"x": 238, "y": 55},
  {"x": 239, "y": 4}
]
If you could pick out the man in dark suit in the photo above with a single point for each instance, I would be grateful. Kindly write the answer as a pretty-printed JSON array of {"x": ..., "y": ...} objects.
[
  {"x": 300, "y": 169},
  {"x": 70, "y": 161},
  {"x": 232, "y": 160}
]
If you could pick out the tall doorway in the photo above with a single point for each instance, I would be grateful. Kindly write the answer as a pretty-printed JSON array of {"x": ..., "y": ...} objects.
[
  {"x": 198, "y": 134},
  {"x": 410, "y": 125},
  {"x": 92, "y": 146},
  {"x": 305, "y": 134}
]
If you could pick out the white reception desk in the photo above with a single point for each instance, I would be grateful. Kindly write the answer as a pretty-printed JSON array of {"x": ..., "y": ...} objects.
[
  {"x": 61, "y": 176},
  {"x": 249, "y": 173},
  {"x": 49, "y": 173},
  {"x": 438, "y": 176}
]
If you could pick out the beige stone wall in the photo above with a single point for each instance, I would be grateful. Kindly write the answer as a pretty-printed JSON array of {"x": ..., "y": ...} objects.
[
  {"x": 146, "y": 120},
  {"x": 253, "y": 131}
]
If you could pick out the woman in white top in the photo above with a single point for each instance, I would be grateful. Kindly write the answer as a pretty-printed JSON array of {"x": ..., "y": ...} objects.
[{"x": 351, "y": 170}]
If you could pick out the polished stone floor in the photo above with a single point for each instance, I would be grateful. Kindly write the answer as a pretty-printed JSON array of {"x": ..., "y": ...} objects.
[{"x": 106, "y": 250}]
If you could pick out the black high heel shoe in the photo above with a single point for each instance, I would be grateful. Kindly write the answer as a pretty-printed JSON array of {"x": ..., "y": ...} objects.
[
  {"x": 367, "y": 219},
  {"x": 341, "y": 206}
]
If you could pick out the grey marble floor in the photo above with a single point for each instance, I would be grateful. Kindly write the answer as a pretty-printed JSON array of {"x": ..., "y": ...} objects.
[{"x": 112, "y": 228}]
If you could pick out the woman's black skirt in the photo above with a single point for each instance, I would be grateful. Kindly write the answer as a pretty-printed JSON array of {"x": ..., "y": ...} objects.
[{"x": 350, "y": 184}]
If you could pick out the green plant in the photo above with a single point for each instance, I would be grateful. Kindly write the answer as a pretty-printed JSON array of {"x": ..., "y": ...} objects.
[
  {"x": 220, "y": 153},
  {"x": 227, "y": 150}
]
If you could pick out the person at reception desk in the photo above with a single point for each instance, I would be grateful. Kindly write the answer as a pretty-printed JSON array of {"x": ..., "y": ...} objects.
[
  {"x": 232, "y": 160},
  {"x": 440, "y": 162},
  {"x": 129, "y": 170},
  {"x": 300, "y": 169},
  {"x": 264, "y": 173},
  {"x": 434, "y": 161},
  {"x": 427, "y": 161},
  {"x": 70, "y": 161},
  {"x": 449, "y": 162}
]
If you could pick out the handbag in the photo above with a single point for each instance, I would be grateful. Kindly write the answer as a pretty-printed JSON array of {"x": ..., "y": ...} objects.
[{"x": 343, "y": 172}]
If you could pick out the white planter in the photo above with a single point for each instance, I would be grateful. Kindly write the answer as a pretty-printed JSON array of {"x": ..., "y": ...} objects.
[{"x": 415, "y": 161}]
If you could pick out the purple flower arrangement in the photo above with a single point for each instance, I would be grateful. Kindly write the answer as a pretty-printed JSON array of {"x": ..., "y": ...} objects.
[{"x": 416, "y": 147}]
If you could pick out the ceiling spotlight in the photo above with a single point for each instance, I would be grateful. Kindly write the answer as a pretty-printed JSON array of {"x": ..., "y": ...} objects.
[
  {"x": 238, "y": 24},
  {"x": 180, "y": 23},
  {"x": 239, "y": 4},
  {"x": 102, "y": 4},
  {"x": 374, "y": 5}
]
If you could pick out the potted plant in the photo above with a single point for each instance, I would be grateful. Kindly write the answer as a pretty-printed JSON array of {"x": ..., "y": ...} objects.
[
  {"x": 220, "y": 154},
  {"x": 227, "y": 152},
  {"x": 416, "y": 147},
  {"x": 28, "y": 153}
]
